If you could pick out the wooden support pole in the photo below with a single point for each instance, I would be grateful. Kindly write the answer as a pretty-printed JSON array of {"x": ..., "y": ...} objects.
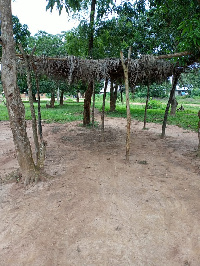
[{"x": 128, "y": 113}]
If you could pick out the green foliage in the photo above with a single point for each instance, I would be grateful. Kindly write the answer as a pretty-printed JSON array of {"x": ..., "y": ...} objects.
[
  {"x": 179, "y": 21},
  {"x": 69, "y": 5},
  {"x": 47, "y": 44},
  {"x": 155, "y": 104},
  {"x": 76, "y": 41},
  {"x": 156, "y": 90},
  {"x": 21, "y": 32}
]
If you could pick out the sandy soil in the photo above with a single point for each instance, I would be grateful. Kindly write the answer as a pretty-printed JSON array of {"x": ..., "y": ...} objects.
[{"x": 99, "y": 210}]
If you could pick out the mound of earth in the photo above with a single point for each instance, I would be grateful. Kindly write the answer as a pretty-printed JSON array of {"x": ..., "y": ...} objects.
[{"x": 97, "y": 209}]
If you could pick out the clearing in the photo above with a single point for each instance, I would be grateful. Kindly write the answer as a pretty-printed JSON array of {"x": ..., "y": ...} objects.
[{"x": 98, "y": 210}]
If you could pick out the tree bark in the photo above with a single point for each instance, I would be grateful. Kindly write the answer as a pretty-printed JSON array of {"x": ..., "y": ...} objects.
[
  {"x": 39, "y": 108},
  {"x": 15, "y": 106},
  {"x": 174, "y": 104},
  {"x": 61, "y": 97},
  {"x": 175, "y": 80},
  {"x": 121, "y": 95},
  {"x": 91, "y": 29},
  {"x": 52, "y": 102},
  {"x": 125, "y": 68},
  {"x": 88, "y": 93},
  {"x": 113, "y": 96},
  {"x": 77, "y": 97},
  {"x": 27, "y": 61},
  {"x": 146, "y": 106},
  {"x": 87, "y": 104}
]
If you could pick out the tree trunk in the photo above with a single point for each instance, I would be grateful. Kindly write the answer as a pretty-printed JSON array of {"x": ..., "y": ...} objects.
[
  {"x": 58, "y": 95},
  {"x": 175, "y": 80},
  {"x": 61, "y": 97},
  {"x": 77, "y": 97},
  {"x": 103, "y": 106},
  {"x": 52, "y": 102},
  {"x": 174, "y": 104},
  {"x": 39, "y": 108},
  {"x": 42, "y": 150},
  {"x": 34, "y": 97},
  {"x": 198, "y": 152},
  {"x": 146, "y": 106},
  {"x": 121, "y": 95},
  {"x": 91, "y": 29},
  {"x": 15, "y": 106},
  {"x": 27, "y": 62},
  {"x": 125, "y": 68},
  {"x": 113, "y": 96},
  {"x": 87, "y": 104},
  {"x": 88, "y": 93}
]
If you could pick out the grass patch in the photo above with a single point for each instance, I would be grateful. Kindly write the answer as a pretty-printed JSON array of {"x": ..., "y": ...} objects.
[
  {"x": 73, "y": 111},
  {"x": 66, "y": 113},
  {"x": 186, "y": 119}
]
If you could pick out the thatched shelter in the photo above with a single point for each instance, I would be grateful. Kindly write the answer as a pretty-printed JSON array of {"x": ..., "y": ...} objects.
[{"x": 145, "y": 69}]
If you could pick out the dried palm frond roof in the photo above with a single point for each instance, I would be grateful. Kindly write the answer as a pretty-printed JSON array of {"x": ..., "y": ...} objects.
[
  {"x": 146, "y": 69},
  {"x": 143, "y": 70}
]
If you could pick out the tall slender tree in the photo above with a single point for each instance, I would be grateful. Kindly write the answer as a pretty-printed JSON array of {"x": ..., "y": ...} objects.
[{"x": 13, "y": 100}]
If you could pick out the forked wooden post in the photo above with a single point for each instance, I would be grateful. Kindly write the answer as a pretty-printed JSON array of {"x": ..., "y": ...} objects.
[{"x": 125, "y": 68}]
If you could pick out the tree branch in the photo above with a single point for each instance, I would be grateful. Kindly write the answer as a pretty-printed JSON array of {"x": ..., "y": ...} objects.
[{"x": 167, "y": 56}]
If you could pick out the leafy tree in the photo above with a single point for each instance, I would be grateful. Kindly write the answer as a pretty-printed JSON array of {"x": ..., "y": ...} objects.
[
  {"x": 20, "y": 32},
  {"x": 47, "y": 44},
  {"x": 30, "y": 172},
  {"x": 180, "y": 21}
]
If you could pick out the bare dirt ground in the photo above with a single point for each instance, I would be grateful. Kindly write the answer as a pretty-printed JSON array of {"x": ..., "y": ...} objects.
[{"x": 98, "y": 210}]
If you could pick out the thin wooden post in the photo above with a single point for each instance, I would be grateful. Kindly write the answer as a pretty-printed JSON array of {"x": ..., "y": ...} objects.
[
  {"x": 146, "y": 106},
  {"x": 128, "y": 113},
  {"x": 103, "y": 106},
  {"x": 93, "y": 105},
  {"x": 198, "y": 152}
]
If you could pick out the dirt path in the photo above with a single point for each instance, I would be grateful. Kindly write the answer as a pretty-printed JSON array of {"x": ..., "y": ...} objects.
[{"x": 98, "y": 210}]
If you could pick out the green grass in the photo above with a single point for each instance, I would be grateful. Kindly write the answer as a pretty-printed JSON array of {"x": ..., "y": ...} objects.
[
  {"x": 66, "y": 113},
  {"x": 186, "y": 119},
  {"x": 3, "y": 113}
]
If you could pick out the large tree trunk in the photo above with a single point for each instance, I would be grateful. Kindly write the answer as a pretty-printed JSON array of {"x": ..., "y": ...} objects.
[
  {"x": 91, "y": 28},
  {"x": 88, "y": 93},
  {"x": 175, "y": 80},
  {"x": 14, "y": 103},
  {"x": 62, "y": 97},
  {"x": 113, "y": 96},
  {"x": 52, "y": 101},
  {"x": 87, "y": 104}
]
